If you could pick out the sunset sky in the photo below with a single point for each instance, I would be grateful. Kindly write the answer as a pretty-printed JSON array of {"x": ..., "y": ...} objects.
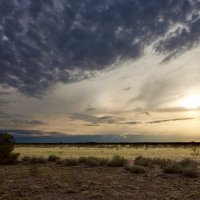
[{"x": 100, "y": 70}]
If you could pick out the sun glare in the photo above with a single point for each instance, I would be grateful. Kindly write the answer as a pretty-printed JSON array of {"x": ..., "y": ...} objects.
[{"x": 191, "y": 102}]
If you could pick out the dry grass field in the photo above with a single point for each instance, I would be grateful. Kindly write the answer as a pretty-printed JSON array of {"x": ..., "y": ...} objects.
[
  {"x": 70, "y": 179},
  {"x": 64, "y": 151}
]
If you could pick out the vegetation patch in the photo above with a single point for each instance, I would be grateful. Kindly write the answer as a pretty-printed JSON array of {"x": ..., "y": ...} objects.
[
  {"x": 145, "y": 162},
  {"x": 135, "y": 169},
  {"x": 70, "y": 162},
  {"x": 7, "y": 144},
  {"x": 93, "y": 161},
  {"x": 173, "y": 168},
  {"x": 34, "y": 160},
  {"x": 117, "y": 161},
  {"x": 53, "y": 158}
]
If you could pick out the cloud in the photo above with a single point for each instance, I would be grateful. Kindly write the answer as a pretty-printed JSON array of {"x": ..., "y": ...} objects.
[
  {"x": 98, "y": 120},
  {"x": 126, "y": 89},
  {"x": 33, "y": 133},
  {"x": 169, "y": 120},
  {"x": 90, "y": 109},
  {"x": 45, "y": 42},
  {"x": 3, "y": 102},
  {"x": 15, "y": 120},
  {"x": 5, "y": 93},
  {"x": 131, "y": 123}
]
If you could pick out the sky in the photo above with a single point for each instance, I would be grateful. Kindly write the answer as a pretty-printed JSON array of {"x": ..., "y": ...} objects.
[{"x": 100, "y": 70}]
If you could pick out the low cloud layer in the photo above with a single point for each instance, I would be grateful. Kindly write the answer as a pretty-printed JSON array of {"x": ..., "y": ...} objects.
[{"x": 15, "y": 120}]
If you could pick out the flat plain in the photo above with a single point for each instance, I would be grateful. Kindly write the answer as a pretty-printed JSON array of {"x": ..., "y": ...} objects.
[
  {"x": 108, "y": 151},
  {"x": 51, "y": 181}
]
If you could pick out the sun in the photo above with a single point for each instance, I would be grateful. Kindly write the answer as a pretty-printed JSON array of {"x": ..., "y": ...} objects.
[{"x": 191, "y": 102}]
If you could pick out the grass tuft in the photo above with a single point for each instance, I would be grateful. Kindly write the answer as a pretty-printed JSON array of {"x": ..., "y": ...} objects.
[
  {"x": 142, "y": 161},
  {"x": 173, "y": 168},
  {"x": 117, "y": 161},
  {"x": 93, "y": 161},
  {"x": 34, "y": 160},
  {"x": 53, "y": 158}
]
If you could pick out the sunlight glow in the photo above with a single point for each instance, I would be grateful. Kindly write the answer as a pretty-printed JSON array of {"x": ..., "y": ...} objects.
[{"x": 191, "y": 102}]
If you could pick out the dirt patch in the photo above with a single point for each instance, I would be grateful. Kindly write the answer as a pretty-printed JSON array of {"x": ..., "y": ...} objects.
[{"x": 74, "y": 183}]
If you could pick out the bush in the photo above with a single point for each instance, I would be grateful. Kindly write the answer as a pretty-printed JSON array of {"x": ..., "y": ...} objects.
[
  {"x": 104, "y": 161},
  {"x": 25, "y": 159},
  {"x": 135, "y": 169},
  {"x": 173, "y": 168},
  {"x": 53, "y": 158},
  {"x": 83, "y": 160},
  {"x": 188, "y": 162},
  {"x": 93, "y": 161},
  {"x": 117, "y": 161},
  {"x": 7, "y": 144},
  {"x": 160, "y": 161},
  {"x": 34, "y": 160},
  {"x": 144, "y": 162}
]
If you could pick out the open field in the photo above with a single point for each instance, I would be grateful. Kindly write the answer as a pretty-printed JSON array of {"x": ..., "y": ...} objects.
[
  {"x": 137, "y": 178},
  {"x": 50, "y": 182},
  {"x": 64, "y": 151}
]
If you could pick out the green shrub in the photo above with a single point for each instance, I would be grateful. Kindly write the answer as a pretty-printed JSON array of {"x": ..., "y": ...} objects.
[
  {"x": 34, "y": 160},
  {"x": 89, "y": 161},
  {"x": 135, "y": 169},
  {"x": 53, "y": 158},
  {"x": 160, "y": 161},
  {"x": 83, "y": 160},
  {"x": 7, "y": 144},
  {"x": 173, "y": 168},
  {"x": 117, "y": 161},
  {"x": 93, "y": 161},
  {"x": 144, "y": 162},
  {"x": 104, "y": 161},
  {"x": 188, "y": 162}
]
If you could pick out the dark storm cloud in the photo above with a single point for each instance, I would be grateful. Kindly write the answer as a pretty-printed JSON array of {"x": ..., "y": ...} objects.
[
  {"x": 33, "y": 133},
  {"x": 15, "y": 120},
  {"x": 169, "y": 120},
  {"x": 44, "y": 42}
]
